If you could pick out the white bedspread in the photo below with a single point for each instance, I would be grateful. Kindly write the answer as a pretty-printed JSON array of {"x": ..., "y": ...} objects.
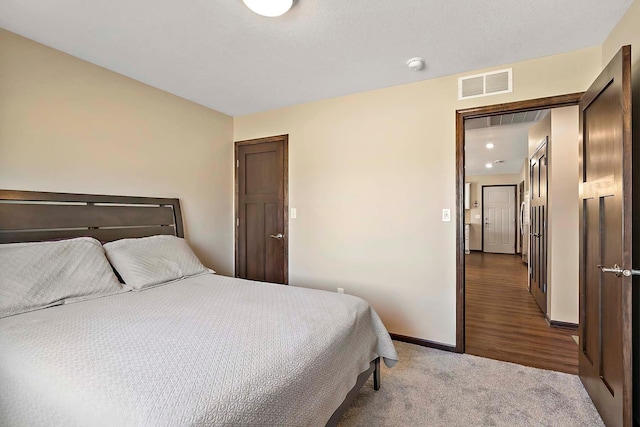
[{"x": 209, "y": 350}]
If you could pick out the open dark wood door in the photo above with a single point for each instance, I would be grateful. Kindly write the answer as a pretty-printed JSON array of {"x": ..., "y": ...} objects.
[
  {"x": 606, "y": 241},
  {"x": 538, "y": 276},
  {"x": 261, "y": 209}
]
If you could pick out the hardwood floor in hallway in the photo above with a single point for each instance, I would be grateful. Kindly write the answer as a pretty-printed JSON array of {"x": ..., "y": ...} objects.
[{"x": 502, "y": 320}]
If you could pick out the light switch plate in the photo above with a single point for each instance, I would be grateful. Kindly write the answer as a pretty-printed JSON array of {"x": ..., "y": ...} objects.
[
  {"x": 294, "y": 213},
  {"x": 478, "y": 217},
  {"x": 446, "y": 215}
]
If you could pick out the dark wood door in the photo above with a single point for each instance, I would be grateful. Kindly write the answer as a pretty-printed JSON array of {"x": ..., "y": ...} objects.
[
  {"x": 538, "y": 276},
  {"x": 261, "y": 209},
  {"x": 605, "y": 241}
]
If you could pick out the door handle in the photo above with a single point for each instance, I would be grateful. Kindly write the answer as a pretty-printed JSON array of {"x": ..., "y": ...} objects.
[
  {"x": 278, "y": 236},
  {"x": 538, "y": 235},
  {"x": 618, "y": 271},
  {"x": 615, "y": 269}
]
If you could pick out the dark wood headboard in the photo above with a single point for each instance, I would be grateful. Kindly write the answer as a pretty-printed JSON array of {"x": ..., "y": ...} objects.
[{"x": 31, "y": 216}]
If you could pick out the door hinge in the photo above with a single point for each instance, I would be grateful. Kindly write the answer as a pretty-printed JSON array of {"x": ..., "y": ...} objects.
[
  {"x": 237, "y": 163},
  {"x": 237, "y": 222}
]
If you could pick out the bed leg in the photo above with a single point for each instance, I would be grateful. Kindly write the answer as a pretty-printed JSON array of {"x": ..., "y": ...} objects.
[{"x": 376, "y": 375}]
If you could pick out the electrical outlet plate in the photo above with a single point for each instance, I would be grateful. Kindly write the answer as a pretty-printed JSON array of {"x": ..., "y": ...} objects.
[
  {"x": 446, "y": 215},
  {"x": 341, "y": 290}
]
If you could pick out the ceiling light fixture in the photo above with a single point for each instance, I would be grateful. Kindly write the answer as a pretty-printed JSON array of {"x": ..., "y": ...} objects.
[
  {"x": 489, "y": 165},
  {"x": 490, "y": 146},
  {"x": 270, "y": 8},
  {"x": 415, "y": 63}
]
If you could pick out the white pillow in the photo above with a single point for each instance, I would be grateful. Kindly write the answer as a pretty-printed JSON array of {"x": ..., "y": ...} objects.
[
  {"x": 41, "y": 274},
  {"x": 151, "y": 261}
]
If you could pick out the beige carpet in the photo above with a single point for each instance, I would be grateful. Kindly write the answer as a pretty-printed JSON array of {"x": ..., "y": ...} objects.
[{"x": 435, "y": 388}]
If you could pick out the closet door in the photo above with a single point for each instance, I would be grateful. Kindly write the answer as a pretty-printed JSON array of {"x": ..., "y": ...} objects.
[{"x": 261, "y": 210}]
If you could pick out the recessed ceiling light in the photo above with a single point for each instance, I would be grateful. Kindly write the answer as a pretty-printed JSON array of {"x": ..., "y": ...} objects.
[
  {"x": 490, "y": 145},
  {"x": 270, "y": 8},
  {"x": 489, "y": 165}
]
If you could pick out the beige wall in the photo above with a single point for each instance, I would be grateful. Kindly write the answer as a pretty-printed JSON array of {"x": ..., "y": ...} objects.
[
  {"x": 563, "y": 219},
  {"x": 524, "y": 173},
  {"x": 538, "y": 132},
  {"x": 560, "y": 125},
  {"x": 67, "y": 125},
  {"x": 370, "y": 174},
  {"x": 627, "y": 31},
  {"x": 475, "y": 224}
]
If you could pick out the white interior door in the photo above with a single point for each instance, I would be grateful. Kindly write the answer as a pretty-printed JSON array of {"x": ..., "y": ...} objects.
[{"x": 499, "y": 223}]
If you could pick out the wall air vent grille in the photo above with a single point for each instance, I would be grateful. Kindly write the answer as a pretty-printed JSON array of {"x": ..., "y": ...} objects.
[{"x": 485, "y": 84}]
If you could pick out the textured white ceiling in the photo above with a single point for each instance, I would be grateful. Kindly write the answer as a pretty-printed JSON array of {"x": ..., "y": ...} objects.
[
  {"x": 219, "y": 54},
  {"x": 510, "y": 142}
]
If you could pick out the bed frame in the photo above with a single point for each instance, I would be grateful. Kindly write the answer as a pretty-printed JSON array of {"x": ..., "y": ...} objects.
[{"x": 30, "y": 216}]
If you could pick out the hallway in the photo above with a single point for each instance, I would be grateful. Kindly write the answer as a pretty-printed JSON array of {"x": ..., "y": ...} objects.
[{"x": 502, "y": 320}]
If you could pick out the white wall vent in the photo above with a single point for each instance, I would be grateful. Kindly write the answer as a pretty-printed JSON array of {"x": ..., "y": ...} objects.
[{"x": 492, "y": 83}]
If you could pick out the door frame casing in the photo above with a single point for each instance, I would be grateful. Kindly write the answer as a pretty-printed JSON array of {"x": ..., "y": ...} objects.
[
  {"x": 515, "y": 192},
  {"x": 471, "y": 113},
  {"x": 285, "y": 142}
]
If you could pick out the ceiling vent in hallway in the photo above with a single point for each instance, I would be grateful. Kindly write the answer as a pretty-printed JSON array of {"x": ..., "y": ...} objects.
[{"x": 492, "y": 83}]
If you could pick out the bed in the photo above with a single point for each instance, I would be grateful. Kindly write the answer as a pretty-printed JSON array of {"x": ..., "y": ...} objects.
[{"x": 203, "y": 350}]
